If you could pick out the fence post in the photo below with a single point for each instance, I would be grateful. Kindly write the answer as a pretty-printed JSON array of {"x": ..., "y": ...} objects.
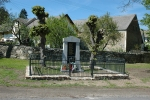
[
  {"x": 92, "y": 67},
  {"x": 30, "y": 67},
  {"x": 124, "y": 67},
  {"x": 70, "y": 69}
]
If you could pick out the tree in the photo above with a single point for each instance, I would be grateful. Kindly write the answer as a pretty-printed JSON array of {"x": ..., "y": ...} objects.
[
  {"x": 6, "y": 26},
  {"x": 40, "y": 30},
  {"x": 146, "y": 18},
  {"x": 101, "y": 31},
  {"x": 24, "y": 32},
  {"x": 21, "y": 32},
  {"x": 60, "y": 27},
  {"x": 105, "y": 24},
  {"x": 4, "y": 15},
  {"x": 23, "y": 14}
]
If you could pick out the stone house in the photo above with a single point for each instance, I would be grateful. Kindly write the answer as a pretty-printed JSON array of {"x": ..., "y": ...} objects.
[{"x": 128, "y": 26}]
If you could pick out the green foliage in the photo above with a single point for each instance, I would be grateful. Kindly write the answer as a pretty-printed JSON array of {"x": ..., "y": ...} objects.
[
  {"x": 110, "y": 33},
  {"x": 23, "y": 14},
  {"x": 146, "y": 18},
  {"x": 91, "y": 23},
  {"x": 38, "y": 30},
  {"x": 24, "y": 31},
  {"x": 60, "y": 28},
  {"x": 7, "y": 23},
  {"x": 4, "y": 15},
  {"x": 40, "y": 13},
  {"x": 41, "y": 29},
  {"x": 146, "y": 3},
  {"x": 24, "y": 36}
]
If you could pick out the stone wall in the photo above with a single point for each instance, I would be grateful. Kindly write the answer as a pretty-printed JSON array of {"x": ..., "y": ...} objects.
[{"x": 22, "y": 52}]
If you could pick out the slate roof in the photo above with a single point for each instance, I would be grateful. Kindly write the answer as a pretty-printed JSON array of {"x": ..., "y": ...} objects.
[
  {"x": 34, "y": 23},
  {"x": 122, "y": 21},
  {"x": 26, "y": 21}
]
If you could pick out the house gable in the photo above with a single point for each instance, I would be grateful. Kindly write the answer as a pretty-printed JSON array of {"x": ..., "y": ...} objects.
[
  {"x": 134, "y": 37},
  {"x": 123, "y": 22}
]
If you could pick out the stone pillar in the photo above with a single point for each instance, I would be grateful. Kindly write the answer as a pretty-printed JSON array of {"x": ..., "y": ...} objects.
[
  {"x": 64, "y": 54},
  {"x": 77, "y": 56}
]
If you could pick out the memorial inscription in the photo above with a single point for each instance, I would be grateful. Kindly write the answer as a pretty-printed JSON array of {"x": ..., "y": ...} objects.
[{"x": 71, "y": 51}]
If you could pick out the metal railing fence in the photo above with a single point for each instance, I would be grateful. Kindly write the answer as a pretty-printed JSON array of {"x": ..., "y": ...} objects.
[{"x": 85, "y": 69}]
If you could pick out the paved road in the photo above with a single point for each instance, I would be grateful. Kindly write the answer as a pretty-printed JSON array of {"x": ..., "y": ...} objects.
[
  {"x": 81, "y": 98},
  {"x": 73, "y": 93}
]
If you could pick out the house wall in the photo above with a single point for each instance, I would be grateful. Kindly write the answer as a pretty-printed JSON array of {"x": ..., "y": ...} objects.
[
  {"x": 15, "y": 28},
  {"x": 134, "y": 37},
  {"x": 120, "y": 46}
]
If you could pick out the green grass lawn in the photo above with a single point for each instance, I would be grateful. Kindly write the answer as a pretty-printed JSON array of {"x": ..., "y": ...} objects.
[
  {"x": 13, "y": 63},
  {"x": 138, "y": 65},
  {"x": 10, "y": 69}
]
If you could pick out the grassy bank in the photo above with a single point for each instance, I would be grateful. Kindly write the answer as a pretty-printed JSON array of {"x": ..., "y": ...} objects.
[{"x": 12, "y": 73}]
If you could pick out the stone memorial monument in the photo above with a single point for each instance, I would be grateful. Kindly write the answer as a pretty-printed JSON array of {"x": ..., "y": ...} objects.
[{"x": 71, "y": 52}]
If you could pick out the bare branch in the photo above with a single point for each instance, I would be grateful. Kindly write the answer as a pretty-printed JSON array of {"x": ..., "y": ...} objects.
[{"x": 126, "y": 4}]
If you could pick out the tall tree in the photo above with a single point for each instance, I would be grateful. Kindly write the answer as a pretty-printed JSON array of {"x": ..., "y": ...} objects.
[
  {"x": 40, "y": 30},
  {"x": 109, "y": 27},
  {"x": 4, "y": 15},
  {"x": 23, "y": 14},
  {"x": 60, "y": 27},
  {"x": 101, "y": 31},
  {"x": 6, "y": 26}
]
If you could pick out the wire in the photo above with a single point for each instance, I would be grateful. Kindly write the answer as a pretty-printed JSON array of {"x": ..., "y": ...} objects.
[
  {"x": 75, "y": 4},
  {"x": 19, "y": 4}
]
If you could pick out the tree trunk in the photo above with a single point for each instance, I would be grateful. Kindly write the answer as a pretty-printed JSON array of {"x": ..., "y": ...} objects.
[
  {"x": 92, "y": 60},
  {"x": 42, "y": 50}
]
